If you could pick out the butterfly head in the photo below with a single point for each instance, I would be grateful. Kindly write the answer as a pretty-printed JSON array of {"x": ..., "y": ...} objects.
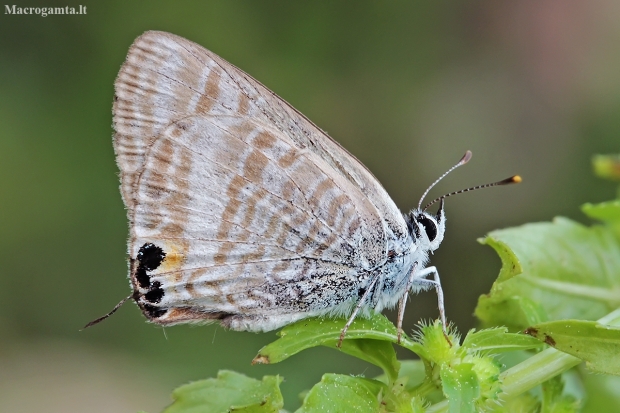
[{"x": 427, "y": 229}]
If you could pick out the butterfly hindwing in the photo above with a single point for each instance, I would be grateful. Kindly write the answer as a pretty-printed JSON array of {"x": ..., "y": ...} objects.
[{"x": 258, "y": 214}]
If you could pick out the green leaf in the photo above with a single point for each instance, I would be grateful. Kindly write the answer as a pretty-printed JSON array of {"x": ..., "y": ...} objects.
[
  {"x": 341, "y": 393},
  {"x": 605, "y": 211},
  {"x": 550, "y": 271},
  {"x": 595, "y": 343},
  {"x": 413, "y": 371},
  {"x": 461, "y": 387},
  {"x": 229, "y": 392},
  {"x": 314, "y": 332},
  {"x": 379, "y": 353},
  {"x": 608, "y": 212},
  {"x": 514, "y": 312},
  {"x": 497, "y": 340}
]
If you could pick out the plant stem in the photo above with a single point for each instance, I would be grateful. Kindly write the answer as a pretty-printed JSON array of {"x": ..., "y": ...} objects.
[{"x": 534, "y": 371}]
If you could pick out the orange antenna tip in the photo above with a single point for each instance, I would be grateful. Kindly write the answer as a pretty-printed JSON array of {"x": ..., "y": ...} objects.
[{"x": 515, "y": 179}]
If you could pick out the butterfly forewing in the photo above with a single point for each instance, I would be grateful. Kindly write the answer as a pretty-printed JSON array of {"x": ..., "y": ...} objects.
[{"x": 240, "y": 208}]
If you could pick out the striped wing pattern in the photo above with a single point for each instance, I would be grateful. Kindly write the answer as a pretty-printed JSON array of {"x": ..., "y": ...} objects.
[{"x": 240, "y": 208}]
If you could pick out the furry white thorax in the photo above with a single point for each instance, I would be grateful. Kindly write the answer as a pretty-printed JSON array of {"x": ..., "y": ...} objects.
[
  {"x": 412, "y": 254},
  {"x": 426, "y": 231}
]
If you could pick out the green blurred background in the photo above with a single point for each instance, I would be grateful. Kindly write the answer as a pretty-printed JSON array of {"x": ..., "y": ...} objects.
[{"x": 530, "y": 87}]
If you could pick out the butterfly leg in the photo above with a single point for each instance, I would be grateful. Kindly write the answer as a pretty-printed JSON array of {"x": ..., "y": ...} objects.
[
  {"x": 403, "y": 302},
  {"x": 436, "y": 284},
  {"x": 359, "y": 305}
]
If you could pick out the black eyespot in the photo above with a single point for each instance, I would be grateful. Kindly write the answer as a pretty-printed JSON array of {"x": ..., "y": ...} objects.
[
  {"x": 150, "y": 256},
  {"x": 154, "y": 312},
  {"x": 155, "y": 294},
  {"x": 143, "y": 278},
  {"x": 429, "y": 226}
]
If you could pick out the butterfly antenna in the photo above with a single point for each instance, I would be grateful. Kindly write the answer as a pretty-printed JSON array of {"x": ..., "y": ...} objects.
[
  {"x": 512, "y": 180},
  {"x": 463, "y": 161},
  {"x": 100, "y": 319}
]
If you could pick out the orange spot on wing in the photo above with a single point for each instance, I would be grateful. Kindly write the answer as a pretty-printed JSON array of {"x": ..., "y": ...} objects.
[{"x": 175, "y": 257}]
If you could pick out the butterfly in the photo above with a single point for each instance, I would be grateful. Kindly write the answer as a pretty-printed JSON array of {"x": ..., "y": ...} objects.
[{"x": 244, "y": 212}]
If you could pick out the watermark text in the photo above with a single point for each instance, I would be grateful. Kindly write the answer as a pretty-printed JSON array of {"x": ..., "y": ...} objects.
[{"x": 44, "y": 11}]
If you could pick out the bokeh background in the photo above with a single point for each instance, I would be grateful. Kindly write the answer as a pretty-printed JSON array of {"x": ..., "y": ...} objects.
[{"x": 531, "y": 87}]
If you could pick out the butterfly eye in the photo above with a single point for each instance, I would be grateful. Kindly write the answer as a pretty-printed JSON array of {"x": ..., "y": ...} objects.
[{"x": 429, "y": 226}]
